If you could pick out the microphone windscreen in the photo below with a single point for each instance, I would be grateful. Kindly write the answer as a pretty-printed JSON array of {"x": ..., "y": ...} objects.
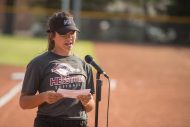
[{"x": 88, "y": 59}]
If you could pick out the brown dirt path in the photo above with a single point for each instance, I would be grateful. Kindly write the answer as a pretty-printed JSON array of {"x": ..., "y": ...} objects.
[
  {"x": 152, "y": 85},
  {"x": 11, "y": 113}
]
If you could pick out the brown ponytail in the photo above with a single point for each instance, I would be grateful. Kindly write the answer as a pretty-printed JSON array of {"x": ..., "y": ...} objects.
[{"x": 51, "y": 43}]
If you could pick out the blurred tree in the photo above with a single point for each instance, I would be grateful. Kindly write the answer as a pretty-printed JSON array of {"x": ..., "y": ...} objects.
[
  {"x": 47, "y": 7},
  {"x": 95, "y": 5},
  {"x": 9, "y": 17},
  {"x": 88, "y": 5},
  {"x": 45, "y": 3},
  {"x": 179, "y": 8}
]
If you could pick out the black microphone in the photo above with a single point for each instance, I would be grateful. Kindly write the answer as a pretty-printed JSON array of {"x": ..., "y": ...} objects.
[{"x": 90, "y": 60}]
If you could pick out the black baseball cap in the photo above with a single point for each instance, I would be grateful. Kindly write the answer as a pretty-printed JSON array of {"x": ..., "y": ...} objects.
[{"x": 62, "y": 23}]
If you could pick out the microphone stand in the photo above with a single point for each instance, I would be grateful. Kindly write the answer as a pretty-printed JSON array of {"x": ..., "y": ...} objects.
[{"x": 98, "y": 96}]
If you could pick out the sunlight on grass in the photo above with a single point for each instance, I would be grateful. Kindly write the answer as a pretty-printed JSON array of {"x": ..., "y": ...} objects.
[{"x": 20, "y": 50}]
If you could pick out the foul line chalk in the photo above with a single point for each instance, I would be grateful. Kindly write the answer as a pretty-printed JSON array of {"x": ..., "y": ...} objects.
[
  {"x": 113, "y": 84},
  {"x": 8, "y": 96},
  {"x": 17, "y": 76}
]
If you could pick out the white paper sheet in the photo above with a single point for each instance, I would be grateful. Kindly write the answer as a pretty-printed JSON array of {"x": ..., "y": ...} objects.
[{"x": 73, "y": 93}]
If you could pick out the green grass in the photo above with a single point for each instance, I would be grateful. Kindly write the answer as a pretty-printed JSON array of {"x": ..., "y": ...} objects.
[{"x": 18, "y": 51}]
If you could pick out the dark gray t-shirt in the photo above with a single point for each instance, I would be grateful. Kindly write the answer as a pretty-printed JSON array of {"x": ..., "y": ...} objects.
[{"x": 50, "y": 71}]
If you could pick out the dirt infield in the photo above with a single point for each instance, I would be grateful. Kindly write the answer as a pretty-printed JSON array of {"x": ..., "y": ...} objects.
[{"x": 152, "y": 88}]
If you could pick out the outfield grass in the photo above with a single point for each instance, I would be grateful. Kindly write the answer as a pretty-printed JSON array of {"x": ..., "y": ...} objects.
[{"x": 18, "y": 51}]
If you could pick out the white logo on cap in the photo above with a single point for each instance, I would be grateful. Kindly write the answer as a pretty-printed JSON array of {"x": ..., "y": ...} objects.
[{"x": 67, "y": 22}]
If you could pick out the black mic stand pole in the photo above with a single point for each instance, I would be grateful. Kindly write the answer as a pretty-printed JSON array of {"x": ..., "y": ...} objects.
[{"x": 98, "y": 96}]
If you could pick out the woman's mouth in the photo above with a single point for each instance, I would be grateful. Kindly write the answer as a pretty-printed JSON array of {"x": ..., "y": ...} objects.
[{"x": 68, "y": 43}]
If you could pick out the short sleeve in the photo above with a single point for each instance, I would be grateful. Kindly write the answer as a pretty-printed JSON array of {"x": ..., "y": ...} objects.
[{"x": 32, "y": 78}]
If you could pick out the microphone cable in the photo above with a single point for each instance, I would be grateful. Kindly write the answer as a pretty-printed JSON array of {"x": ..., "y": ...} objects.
[{"x": 108, "y": 103}]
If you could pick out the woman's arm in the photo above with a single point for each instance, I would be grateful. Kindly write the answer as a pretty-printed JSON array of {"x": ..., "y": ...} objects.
[{"x": 33, "y": 101}]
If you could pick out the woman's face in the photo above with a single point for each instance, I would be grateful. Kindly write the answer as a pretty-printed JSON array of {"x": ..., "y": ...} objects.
[{"x": 65, "y": 42}]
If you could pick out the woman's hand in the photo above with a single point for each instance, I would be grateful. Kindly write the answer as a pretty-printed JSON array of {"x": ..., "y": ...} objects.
[
  {"x": 87, "y": 101},
  {"x": 84, "y": 99},
  {"x": 51, "y": 96}
]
